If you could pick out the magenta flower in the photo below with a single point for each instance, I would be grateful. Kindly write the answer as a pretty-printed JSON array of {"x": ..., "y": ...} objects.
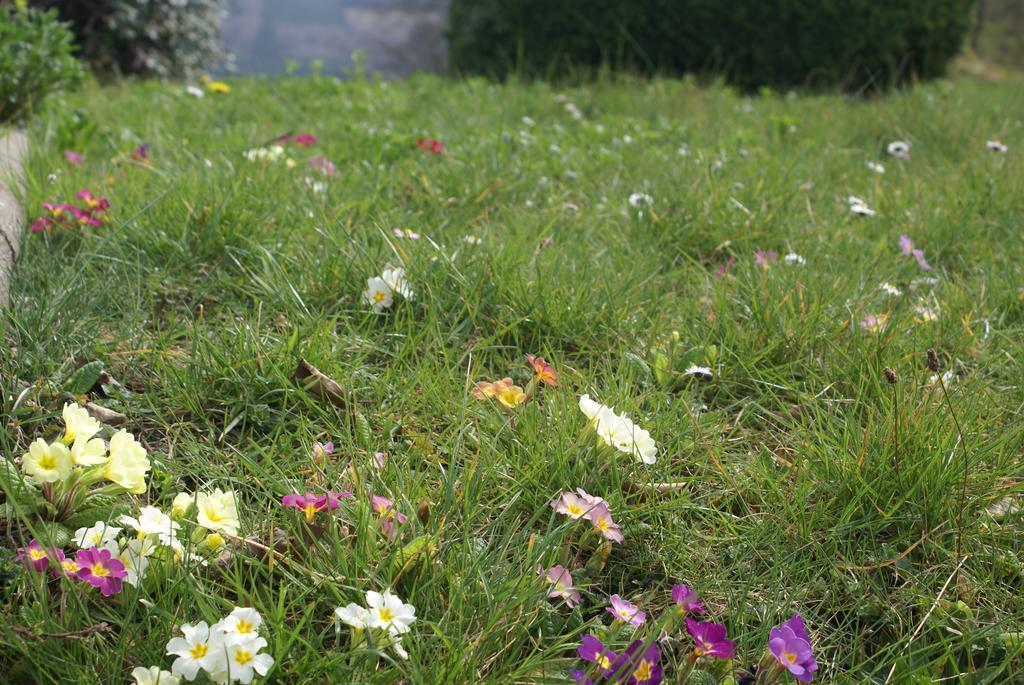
[
  {"x": 601, "y": 517},
  {"x": 310, "y": 504},
  {"x": 709, "y": 639},
  {"x": 791, "y": 647},
  {"x": 85, "y": 217},
  {"x": 432, "y": 145},
  {"x": 385, "y": 509},
  {"x": 561, "y": 581},
  {"x": 638, "y": 668},
  {"x": 687, "y": 599},
  {"x": 723, "y": 269},
  {"x": 906, "y": 245},
  {"x": 98, "y": 568},
  {"x": 323, "y": 165},
  {"x": 95, "y": 204},
  {"x": 41, "y": 224},
  {"x": 921, "y": 261},
  {"x": 626, "y": 611},
  {"x": 38, "y": 558},
  {"x": 594, "y": 651},
  {"x": 73, "y": 157},
  {"x": 763, "y": 259},
  {"x": 304, "y": 139}
]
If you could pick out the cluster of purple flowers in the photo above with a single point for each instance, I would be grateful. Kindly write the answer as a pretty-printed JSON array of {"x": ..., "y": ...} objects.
[
  {"x": 96, "y": 566},
  {"x": 68, "y": 215}
]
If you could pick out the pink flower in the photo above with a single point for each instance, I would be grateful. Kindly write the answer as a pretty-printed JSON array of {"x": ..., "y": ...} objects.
[
  {"x": 310, "y": 504},
  {"x": 921, "y": 261},
  {"x": 626, "y": 611},
  {"x": 324, "y": 165},
  {"x": 709, "y": 639},
  {"x": 73, "y": 157},
  {"x": 96, "y": 204},
  {"x": 544, "y": 371},
  {"x": 686, "y": 599},
  {"x": 304, "y": 139},
  {"x": 601, "y": 517},
  {"x": 906, "y": 245},
  {"x": 321, "y": 450},
  {"x": 723, "y": 269},
  {"x": 385, "y": 509},
  {"x": 432, "y": 145},
  {"x": 874, "y": 323},
  {"x": 38, "y": 558},
  {"x": 561, "y": 580},
  {"x": 763, "y": 259},
  {"x": 85, "y": 217},
  {"x": 791, "y": 647},
  {"x": 572, "y": 505},
  {"x": 41, "y": 224},
  {"x": 99, "y": 569}
]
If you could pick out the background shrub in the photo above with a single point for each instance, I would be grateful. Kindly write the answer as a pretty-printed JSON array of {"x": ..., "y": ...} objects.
[
  {"x": 852, "y": 44},
  {"x": 165, "y": 38},
  {"x": 35, "y": 59}
]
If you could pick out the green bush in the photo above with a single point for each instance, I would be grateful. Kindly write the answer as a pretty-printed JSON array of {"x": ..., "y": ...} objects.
[
  {"x": 164, "y": 38},
  {"x": 35, "y": 59},
  {"x": 850, "y": 44}
]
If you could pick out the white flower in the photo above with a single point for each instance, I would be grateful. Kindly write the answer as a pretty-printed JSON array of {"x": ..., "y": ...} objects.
[
  {"x": 996, "y": 146},
  {"x": 316, "y": 186},
  {"x": 78, "y": 423},
  {"x": 242, "y": 621},
  {"x": 640, "y": 200},
  {"x": 388, "y": 612},
  {"x": 100, "y": 534},
  {"x": 890, "y": 289},
  {"x": 472, "y": 239},
  {"x": 264, "y": 154},
  {"x": 180, "y": 505},
  {"x": 135, "y": 557},
  {"x": 925, "y": 314},
  {"x": 354, "y": 615},
  {"x": 899, "y": 149},
  {"x": 573, "y": 111},
  {"x": 218, "y": 511},
  {"x": 590, "y": 408},
  {"x": 200, "y": 648},
  {"x": 794, "y": 258},
  {"x": 405, "y": 233},
  {"x": 395, "y": 278},
  {"x": 47, "y": 463},
  {"x": 244, "y": 658},
  {"x": 128, "y": 463},
  {"x": 527, "y": 121},
  {"x": 154, "y": 676},
  {"x": 195, "y": 91},
  {"x": 152, "y": 521},
  {"x": 859, "y": 207},
  {"x": 618, "y": 431},
  {"x": 694, "y": 370},
  {"x": 378, "y": 294},
  {"x": 876, "y": 167},
  {"x": 395, "y": 642},
  {"x": 947, "y": 378},
  {"x": 86, "y": 452}
]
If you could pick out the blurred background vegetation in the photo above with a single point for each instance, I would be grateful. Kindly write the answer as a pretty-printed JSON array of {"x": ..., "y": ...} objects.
[{"x": 998, "y": 34}]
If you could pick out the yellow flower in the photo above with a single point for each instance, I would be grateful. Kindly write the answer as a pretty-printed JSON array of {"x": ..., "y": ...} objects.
[
  {"x": 47, "y": 463},
  {"x": 78, "y": 423},
  {"x": 505, "y": 391},
  {"x": 128, "y": 463},
  {"x": 181, "y": 504},
  {"x": 218, "y": 87},
  {"x": 218, "y": 512},
  {"x": 213, "y": 542},
  {"x": 86, "y": 452}
]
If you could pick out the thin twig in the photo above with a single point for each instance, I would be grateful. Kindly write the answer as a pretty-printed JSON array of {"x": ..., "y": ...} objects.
[{"x": 64, "y": 635}]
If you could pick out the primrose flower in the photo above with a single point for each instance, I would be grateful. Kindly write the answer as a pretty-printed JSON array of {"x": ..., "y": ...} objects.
[
  {"x": 69, "y": 568},
  {"x": 431, "y": 145},
  {"x": 899, "y": 149},
  {"x": 618, "y": 431},
  {"x": 876, "y": 167},
  {"x": 925, "y": 314},
  {"x": 687, "y": 599},
  {"x": 218, "y": 511},
  {"x": 388, "y": 612},
  {"x": 385, "y": 509},
  {"x": 405, "y": 233},
  {"x": 95, "y": 204},
  {"x": 324, "y": 165},
  {"x": 593, "y": 650},
  {"x": 794, "y": 258},
  {"x": 859, "y": 207},
  {"x": 151, "y": 521},
  {"x": 73, "y": 157},
  {"x": 218, "y": 87},
  {"x": 304, "y": 139},
  {"x": 699, "y": 371},
  {"x": 199, "y": 648},
  {"x": 874, "y": 323},
  {"x": 100, "y": 534},
  {"x": 86, "y": 452},
  {"x": 100, "y": 569},
  {"x": 723, "y": 269},
  {"x": 128, "y": 464},
  {"x": 242, "y": 621},
  {"x": 640, "y": 200},
  {"x": 561, "y": 581},
  {"x": 791, "y": 647},
  {"x": 890, "y": 290},
  {"x": 637, "y": 668},
  {"x": 195, "y": 91},
  {"x": 572, "y": 505},
  {"x": 78, "y": 423},
  {"x": 181, "y": 504},
  {"x": 764, "y": 259},
  {"x": 601, "y": 517},
  {"x": 544, "y": 372},
  {"x": 47, "y": 463},
  {"x": 921, "y": 261},
  {"x": 906, "y": 245},
  {"x": 504, "y": 391},
  {"x": 41, "y": 224},
  {"x": 626, "y": 611},
  {"x": 709, "y": 639},
  {"x": 996, "y": 146},
  {"x": 354, "y": 615},
  {"x": 37, "y": 557},
  {"x": 154, "y": 676},
  {"x": 395, "y": 278},
  {"x": 378, "y": 294},
  {"x": 472, "y": 240},
  {"x": 309, "y": 504},
  {"x": 244, "y": 658},
  {"x": 322, "y": 449},
  {"x": 135, "y": 557}
]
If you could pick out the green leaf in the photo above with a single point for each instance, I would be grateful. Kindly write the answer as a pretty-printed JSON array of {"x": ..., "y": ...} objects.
[{"x": 84, "y": 378}]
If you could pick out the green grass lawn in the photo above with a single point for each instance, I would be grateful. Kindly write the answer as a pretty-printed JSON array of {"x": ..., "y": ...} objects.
[{"x": 801, "y": 481}]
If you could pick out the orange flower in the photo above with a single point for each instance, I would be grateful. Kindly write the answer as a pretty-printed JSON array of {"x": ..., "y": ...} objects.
[{"x": 545, "y": 374}]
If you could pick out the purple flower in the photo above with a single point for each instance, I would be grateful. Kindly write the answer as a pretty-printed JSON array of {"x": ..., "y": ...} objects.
[
  {"x": 310, "y": 504},
  {"x": 791, "y": 647},
  {"x": 687, "y": 599},
  {"x": 921, "y": 261},
  {"x": 763, "y": 259},
  {"x": 638, "y": 668},
  {"x": 73, "y": 157},
  {"x": 594, "y": 651},
  {"x": 324, "y": 165},
  {"x": 99, "y": 569},
  {"x": 141, "y": 153},
  {"x": 709, "y": 639},
  {"x": 38, "y": 558},
  {"x": 561, "y": 580},
  {"x": 906, "y": 245},
  {"x": 626, "y": 611},
  {"x": 581, "y": 677}
]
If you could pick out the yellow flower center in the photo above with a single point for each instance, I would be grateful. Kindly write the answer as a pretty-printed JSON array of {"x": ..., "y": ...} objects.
[
  {"x": 242, "y": 657},
  {"x": 379, "y": 296},
  {"x": 310, "y": 510},
  {"x": 126, "y": 560},
  {"x": 604, "y": 662},
  {"x": 198, "y": 650},
  {"x": 243, "y": 626},
  {"x": 69, "y": 565},
  {"x": 48, "y": 462},
  {"x": 602, "y": 525},
  {"x": 644, "y": 672},
  {"x": 790, "y": 657},
  {"x": 386, "y": 614},
  {"x": 213, "y": 515},
  {"x": 575, "y": 510},
  {"x": 99, "y": 570},
  {"x": 36, "y": 554}
]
